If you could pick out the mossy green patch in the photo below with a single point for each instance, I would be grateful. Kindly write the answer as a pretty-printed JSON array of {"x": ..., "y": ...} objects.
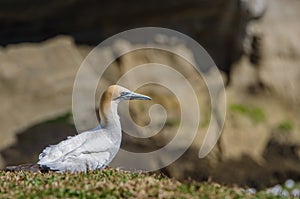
[
  {"x": 172, "y": 122},
  {"x": 66, "y": 118},
  {"x": 256, "y": 114},
  {"x": 286, "y": 126}
]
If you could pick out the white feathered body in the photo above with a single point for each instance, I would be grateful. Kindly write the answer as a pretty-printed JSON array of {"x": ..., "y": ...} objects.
[{"x": 89, "y": 150}]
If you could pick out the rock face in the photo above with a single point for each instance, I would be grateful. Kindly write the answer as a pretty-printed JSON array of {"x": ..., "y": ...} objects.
[
  {"x": 276, "y": 45},
  {"x": 218, "y": 25}
]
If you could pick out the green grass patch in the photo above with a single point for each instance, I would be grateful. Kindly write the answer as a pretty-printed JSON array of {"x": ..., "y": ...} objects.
[
  {"x": 66, "y": 118},
  {"x": 285, "y": 126},
  {"x": 205, "y": 122},
  {"x": 172, "y": 122},
  {"x": 256, "y": 114},
  {"x": 111, "y": 183}
]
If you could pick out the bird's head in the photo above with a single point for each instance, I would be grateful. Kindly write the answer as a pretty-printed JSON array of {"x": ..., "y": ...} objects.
[
  {"x": 119, "y": 93},
  {"x": 111, "y": 97}
]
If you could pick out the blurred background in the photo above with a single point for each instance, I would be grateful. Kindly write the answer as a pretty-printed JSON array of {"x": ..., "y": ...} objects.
[{"x": 255, "y": 44}]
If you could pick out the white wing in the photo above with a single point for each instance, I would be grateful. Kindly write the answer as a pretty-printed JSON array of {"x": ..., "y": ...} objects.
[{"x": 88, "y": 149}]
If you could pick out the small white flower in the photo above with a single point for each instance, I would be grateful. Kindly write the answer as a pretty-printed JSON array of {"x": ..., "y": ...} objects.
[
  {"x": 295, "y": 193},
  {"x": 289, "y": 184},
  {"x": 285, "y": 193},
  {"x": 251, "y": 190}
]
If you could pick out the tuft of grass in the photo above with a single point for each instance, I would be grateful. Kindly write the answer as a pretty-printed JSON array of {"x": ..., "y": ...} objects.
[
  {"x": 205, "y": 122},
  {"x": 66, "y": 118},
  {"x": 112, "y": 183},
  {"x": 285, "y": 126},
  {"x": 172, "y": 122},
  {"x": 256, "y": 114}
]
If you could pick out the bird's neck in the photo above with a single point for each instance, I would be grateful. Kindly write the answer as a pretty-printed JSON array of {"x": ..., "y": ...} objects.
[{"x": 109, "y": 116}]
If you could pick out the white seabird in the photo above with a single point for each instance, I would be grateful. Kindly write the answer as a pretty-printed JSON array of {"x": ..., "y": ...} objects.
[{"x": 92, "y": 149}]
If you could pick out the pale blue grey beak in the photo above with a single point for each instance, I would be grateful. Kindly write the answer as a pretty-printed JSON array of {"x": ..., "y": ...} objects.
[
  {"x": 128, "y": 95},
  {"x": 136, "y": 96}
]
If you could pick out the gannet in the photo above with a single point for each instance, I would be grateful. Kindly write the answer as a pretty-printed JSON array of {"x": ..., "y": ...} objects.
[{"x": 95, "y": 148}]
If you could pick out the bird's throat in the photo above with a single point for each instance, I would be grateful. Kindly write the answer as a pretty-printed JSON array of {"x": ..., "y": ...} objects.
[{"x": 109, "y": 116}]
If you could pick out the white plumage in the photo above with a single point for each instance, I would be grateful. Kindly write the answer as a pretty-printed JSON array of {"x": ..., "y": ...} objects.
[{"x": 95, "y": 148}]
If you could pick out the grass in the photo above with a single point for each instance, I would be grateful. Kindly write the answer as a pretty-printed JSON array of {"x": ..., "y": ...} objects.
[
  {"x": 285, "y": 126},
  {"x": 66, "y": 118},
  {"x": 172, "y": 122},
  {"x": 112, "y": 183},
  {"x": 256, "y": 114}
]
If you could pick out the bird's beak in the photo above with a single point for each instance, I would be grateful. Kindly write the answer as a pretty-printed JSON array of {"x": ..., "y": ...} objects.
[{"x": 136, "y": 96}]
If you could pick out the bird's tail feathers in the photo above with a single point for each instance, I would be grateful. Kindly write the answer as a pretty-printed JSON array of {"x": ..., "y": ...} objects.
[{"x": 27, "y": 167}]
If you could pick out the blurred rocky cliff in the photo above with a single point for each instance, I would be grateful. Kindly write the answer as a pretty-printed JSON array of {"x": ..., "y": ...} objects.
[
  {"x": 260, "y": 143},
  {"x": 220, "y": 26}
]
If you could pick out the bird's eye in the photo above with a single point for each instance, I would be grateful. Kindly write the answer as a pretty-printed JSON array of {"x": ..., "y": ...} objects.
[{"x": 124, "y": 93}]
